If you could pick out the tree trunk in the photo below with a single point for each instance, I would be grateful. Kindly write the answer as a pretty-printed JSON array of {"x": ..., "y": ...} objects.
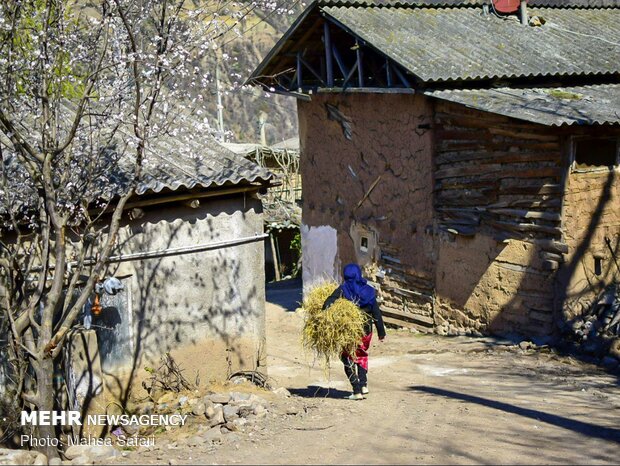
[{"x": 45, "y": 395}]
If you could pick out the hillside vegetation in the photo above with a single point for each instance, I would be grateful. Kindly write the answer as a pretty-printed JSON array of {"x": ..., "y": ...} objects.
[{"x": 241, "y": 51}]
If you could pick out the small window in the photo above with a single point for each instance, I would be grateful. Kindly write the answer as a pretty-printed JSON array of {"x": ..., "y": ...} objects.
[
  {"x": 598, "y": 266},
  {"x": 595, "y": 152},
  {"x": 364, "y": 244}
]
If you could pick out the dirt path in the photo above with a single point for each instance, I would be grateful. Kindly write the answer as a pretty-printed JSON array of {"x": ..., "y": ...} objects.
[{"x": 433, "y": 400}]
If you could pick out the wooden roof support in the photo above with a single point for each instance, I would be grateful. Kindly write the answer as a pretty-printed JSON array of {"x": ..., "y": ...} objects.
[
  {"x": 309, "y": 67},
  {"x": 360, "y": 69},
  {"x": 401, "y": 76},
  {"x": 346, "y": 80},
  {"x": 298, "y": 72},
  {"x": 339, "y": 62},
  {"x": 327, "y": 41}
]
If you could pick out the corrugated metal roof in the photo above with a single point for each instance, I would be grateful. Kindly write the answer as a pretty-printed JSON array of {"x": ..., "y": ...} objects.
[
  {"x": 210, "y": 167},
  {"x": 447, "y": 3},
  {"x": 184, "y": 158},
  {"x": 580, "y": 105},
  {"x": 191, "y": 159},
  {"x": 462, "y": 43}
]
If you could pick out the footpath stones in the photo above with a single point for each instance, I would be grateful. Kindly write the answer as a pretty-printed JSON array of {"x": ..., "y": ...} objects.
[
  {"x": 212, "y": 435},
  {"x": 91, "y": 452},
  {"x": 210, "y": 419},
  {"x": 246, "y": 411},
  {"x": 199, "y": 408},
  {"x": 260, "y": 411},
  {"x": 221, "y": 398},
  {"x": 283, "y": 392},
  {"x": 231, "y": 412},
  {"x": 8, "y": 456},
  {"x": 218, "y": 416}
]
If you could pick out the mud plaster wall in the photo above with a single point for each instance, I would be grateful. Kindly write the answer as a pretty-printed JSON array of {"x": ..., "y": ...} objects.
[
  {"x": 486, "y": 285},
  {"x": 591, "y": 213},
  {"x": 207, "y": 308},
  {"x": 320, "y": 252},
  {"x": 390, "y": 148},
  {"x": 498, "y": 185}
]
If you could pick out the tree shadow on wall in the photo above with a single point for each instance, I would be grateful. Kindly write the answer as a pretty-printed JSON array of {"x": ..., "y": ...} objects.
[
  {"x": 563, "y": 297},
  {"x": 191, "y": 299}
]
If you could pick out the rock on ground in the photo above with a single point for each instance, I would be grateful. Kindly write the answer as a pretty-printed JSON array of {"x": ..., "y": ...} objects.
[
  {"x": 221, "y": 398},
  {"x": 94, "y": 452},
  {"x": 8, "y": 456}
]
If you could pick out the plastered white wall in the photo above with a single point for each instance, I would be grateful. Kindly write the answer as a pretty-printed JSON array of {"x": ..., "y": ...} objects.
[{"x": 320, "y": 252}]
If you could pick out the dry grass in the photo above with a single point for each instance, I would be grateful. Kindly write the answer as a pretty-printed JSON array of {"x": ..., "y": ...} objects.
[{"x": 330, "y": 332}]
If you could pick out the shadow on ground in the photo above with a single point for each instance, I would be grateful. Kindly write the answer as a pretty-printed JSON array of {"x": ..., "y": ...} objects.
[
  {"x": 285, "y": 293},
  {"x": 584, "y": 428},
  {"x": 314, "y": 391}
]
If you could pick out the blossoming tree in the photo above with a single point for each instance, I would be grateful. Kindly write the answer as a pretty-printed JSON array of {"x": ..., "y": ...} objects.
[{"x": 85, "y": 87}]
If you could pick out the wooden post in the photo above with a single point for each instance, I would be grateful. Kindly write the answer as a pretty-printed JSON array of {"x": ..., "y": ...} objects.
[
  {"x": 276, "y": 261},
  {"x": 299, "y": 80},
  {"x": 328, "y": 55},
  {"x": 360, "y": 70},
  {"x": 388, "y": 72}
]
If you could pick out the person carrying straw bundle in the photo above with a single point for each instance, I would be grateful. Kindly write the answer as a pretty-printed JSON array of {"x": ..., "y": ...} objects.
[{"x": 357, "y": 290}]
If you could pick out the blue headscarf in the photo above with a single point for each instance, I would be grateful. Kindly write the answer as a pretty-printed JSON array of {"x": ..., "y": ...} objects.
[{"x": 355, "y": 288}]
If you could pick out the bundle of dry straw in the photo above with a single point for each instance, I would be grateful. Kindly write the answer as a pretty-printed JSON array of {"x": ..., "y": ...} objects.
[{"x": 338, "y": 328}]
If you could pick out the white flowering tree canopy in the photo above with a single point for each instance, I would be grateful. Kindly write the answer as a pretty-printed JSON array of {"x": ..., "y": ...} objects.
[{"x": 86, "y": 89}]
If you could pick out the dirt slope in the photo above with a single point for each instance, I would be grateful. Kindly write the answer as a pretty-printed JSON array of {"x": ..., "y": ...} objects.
[{"x": 433, "y": 401}]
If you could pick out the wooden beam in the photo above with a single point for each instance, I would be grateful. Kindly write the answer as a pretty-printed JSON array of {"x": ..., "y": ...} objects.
[
  {"x": 525, "y": 227},
  {"x": 298, "y": 72},
  {"x": 289, "y": 93},
  {"x": 401, "y": 76},
  {"x": 299, "y": 43},
  {"x": 312, "y": 70},
  {"x": 366, "y": 90},
  {"x": 346, "y": 80},
  {"x": 360, "y": 68},
  {"x": 276, "y": 262},
  {"x": 328, "y": 54},
  {"x": 407, "y": 316},
  {"x": 339, "y": 62},
  {"x": 552, "y": 216},
  {"x": 184, "y": 197}
]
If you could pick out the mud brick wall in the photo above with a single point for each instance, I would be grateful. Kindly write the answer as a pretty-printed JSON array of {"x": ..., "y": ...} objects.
[
  {"x": 376, "y": 185},
  {"x": 466, "y": 221},
  {"x": 498, "y": 197},
  {"x": 591, "y": 213}
]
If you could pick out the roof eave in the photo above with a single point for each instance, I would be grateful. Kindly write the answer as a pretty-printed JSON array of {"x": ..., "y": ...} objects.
[{"x": 258, "y": 72}]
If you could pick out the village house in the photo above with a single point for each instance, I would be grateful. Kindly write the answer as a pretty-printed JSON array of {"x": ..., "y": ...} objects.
[
  {"x": 465, "y": 152},
  {"x": 191, "y": 261},
  {"x": 186, "y": 278},
  {"x": 281, "y": 204}
]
